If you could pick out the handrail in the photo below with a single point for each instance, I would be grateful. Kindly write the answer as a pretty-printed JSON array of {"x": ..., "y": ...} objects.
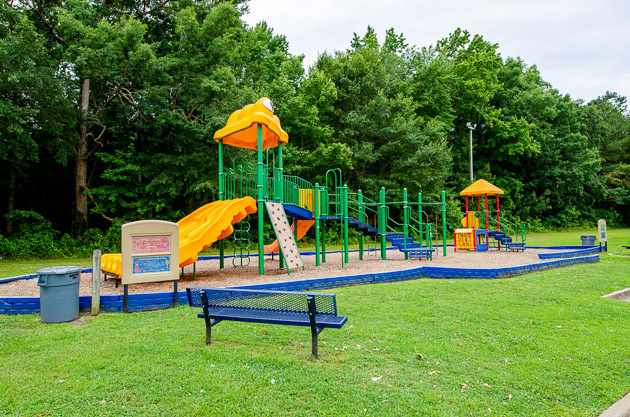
[
  {"x": 428, "y": 231},
  {"x": 515, "y": 229}
]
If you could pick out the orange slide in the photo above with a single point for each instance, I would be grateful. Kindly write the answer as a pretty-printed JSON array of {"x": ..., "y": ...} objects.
[
  {"x": 198, "y": 230},
  {"x": 303, "y": 226}
]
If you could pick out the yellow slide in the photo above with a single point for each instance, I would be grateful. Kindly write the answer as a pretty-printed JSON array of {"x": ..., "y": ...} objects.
[
  {"x": 198, "y": 230},
  {"x": 303, "y": 227}
]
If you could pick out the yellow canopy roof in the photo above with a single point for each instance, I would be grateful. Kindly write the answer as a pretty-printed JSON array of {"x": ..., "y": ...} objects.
[
  {"x": 241, "y": 131},
  {"x": 481, "y": 187}
]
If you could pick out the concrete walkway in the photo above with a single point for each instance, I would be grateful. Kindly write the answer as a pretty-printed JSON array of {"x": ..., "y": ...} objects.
[{"x": 619, "y": 409}]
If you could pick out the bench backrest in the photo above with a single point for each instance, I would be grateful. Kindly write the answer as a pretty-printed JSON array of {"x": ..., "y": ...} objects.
[{"x": 284, "y": 301}]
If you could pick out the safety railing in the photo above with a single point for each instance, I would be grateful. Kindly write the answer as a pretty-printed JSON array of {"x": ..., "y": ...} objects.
[
  {"x": 426, "y": 228},
  {"x": 508, "y": 227},
  {"x": 240, "y": 181}
]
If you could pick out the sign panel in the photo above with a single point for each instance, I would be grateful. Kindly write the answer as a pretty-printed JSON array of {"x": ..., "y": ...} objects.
[
  {"x": 150, "y": 252},
  {"x": 150, "y": 244},
  {"x": 601, "y": 231},
  {"x": 146, "y": 264}
]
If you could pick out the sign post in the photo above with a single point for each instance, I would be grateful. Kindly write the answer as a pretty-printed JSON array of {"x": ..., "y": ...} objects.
[
  {"x": 96, "y": 282},
  {"x": 603, "y": 235},
  {"x": 150, "y": 253}
]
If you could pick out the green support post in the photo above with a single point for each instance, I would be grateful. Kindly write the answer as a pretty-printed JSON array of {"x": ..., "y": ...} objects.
[
  {"x": 444, "y": 221},
  {"x": 280, "y": 195},
  {"x": 280, "y": 175},
  {"x": 420, "y": 217},
  {"x": 317, "y": 214},
  {"x": 323, "y": 242},
  {"x": 405, "y": 221},
  {"x": 221, "y": 198},
  {"x": 345, "y": 223},
  {"x": 261, "y": 213},
  {"x": 382, "y": 222},
  {"x": 361, "y": 218}
]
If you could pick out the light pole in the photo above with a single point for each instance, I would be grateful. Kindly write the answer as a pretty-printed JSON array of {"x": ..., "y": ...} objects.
[{"x": 472, "y": 127}]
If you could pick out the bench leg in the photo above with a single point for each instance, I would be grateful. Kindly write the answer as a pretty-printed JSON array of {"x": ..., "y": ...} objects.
[
  {"x": 310, "y": 300},
  {"x": 208, "y": 331},
  {"x": 206, "y": 317}
]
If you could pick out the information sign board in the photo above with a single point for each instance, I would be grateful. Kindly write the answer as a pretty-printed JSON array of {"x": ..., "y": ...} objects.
[
  {"x": 601, "y": 231},
  {"x": 150, "y": 252}
]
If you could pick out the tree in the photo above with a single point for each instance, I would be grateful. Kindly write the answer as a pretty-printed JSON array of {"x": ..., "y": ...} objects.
[
  {"x": 32, "y": 102},
  {"x": 474, "y": 86},
  {"x": 607, "y": 126},
  {"x": 374, "y": 118}
]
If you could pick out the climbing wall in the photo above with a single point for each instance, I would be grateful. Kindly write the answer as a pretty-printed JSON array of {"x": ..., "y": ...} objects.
[{"x": 285, "y": 236}]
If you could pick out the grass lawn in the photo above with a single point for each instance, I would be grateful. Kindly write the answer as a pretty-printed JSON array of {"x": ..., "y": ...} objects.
[{"x": 543, "y": 344}]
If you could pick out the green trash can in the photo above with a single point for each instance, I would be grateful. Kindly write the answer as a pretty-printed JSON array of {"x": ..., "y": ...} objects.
[
  {"x": 588, "y": 240},
  {"x": 59, "y": 293}
]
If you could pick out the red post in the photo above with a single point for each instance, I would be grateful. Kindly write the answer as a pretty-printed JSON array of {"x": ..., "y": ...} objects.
[
  {"x": 486, "y": 213},
  {"x": 498, "y": 211},
  {"x": 478, "y": 204},
  {"x": 498, "y": 221}
]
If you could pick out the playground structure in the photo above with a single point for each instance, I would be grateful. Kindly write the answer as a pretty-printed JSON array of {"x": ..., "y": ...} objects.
[
  {"x": 248, "y": 188},
  {"x": 479, "y": 229},
  {"x": 255, "y": 127}
]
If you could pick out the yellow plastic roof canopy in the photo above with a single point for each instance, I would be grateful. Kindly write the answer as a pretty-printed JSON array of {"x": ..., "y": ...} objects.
[
  {"x": 481, "y": 187},
  {"x": 241, "y": 131}
]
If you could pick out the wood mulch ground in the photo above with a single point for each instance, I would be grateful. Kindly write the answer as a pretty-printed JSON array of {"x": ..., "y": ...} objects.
[{"x": 209, "y": 274}]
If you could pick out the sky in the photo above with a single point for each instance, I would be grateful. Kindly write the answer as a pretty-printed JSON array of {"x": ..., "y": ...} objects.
[{"x": 581, "y": 47}]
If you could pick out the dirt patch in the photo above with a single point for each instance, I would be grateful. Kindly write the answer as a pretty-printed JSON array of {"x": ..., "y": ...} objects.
[{"x": 209, "y": 274}]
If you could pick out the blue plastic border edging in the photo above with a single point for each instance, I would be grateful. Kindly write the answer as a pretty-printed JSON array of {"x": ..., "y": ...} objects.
[
  {"x": 570, "y": 254},
  {"x": 109, "y": 303},
  {"x": 160, "y": 301},
  {"x": 421, "y": 272}
]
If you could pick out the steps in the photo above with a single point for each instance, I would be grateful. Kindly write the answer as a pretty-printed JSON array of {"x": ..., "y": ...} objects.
[
  {"x": 362, "y": 227},
  {"x": 505, "y": 240},
  {"x": 414, "y": 249}
]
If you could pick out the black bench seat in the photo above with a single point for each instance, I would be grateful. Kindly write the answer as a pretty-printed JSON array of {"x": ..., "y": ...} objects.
[{"x": 315, "y": 310}]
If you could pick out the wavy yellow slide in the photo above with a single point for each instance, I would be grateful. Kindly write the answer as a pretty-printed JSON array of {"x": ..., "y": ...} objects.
[{"x": 198, "y": 230}]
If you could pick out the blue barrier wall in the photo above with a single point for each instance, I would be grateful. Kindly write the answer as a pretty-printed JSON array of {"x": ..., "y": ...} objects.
[
  {"x": 570, "y": 254},
  {"x": 159, "y": 301}
]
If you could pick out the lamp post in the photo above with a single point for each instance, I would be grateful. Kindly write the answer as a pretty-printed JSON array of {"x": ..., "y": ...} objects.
[{"x": 471, "y": 127}]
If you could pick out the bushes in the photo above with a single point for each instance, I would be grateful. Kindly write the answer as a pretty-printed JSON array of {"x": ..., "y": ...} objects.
[{"x": 35, "y": 237}]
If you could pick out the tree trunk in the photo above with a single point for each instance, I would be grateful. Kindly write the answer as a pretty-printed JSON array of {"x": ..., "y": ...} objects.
[
  {"x": 81, "y": 211},
  {"x": 10, "y": 200}
]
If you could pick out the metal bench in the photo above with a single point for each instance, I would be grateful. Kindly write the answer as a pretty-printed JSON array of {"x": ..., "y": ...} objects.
[
  {"x": 316, "y": 310},
  {"x": 419, "y": 252}
]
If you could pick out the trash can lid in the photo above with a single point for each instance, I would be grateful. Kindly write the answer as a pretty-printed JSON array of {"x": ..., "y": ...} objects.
[{"x": 58, "y": 270}]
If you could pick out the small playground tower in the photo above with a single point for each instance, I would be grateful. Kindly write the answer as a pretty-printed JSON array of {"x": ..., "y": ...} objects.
[
  {"x": 486, "y": 229},
  {"x": 253, "y": 127}
]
